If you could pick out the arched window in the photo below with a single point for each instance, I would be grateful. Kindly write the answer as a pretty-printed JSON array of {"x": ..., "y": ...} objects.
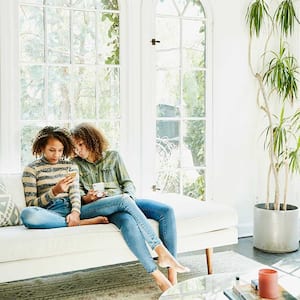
[{"x": 181, "y": 97}]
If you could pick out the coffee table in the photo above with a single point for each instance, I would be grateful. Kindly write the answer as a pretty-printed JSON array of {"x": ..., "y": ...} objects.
[
  {"x": 203, "y": 287},
  {"x": 210, "y": 287}
]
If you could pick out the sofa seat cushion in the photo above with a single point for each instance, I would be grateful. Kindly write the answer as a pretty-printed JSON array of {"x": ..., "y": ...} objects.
[
  {"x": 195, "y": 216},
  {"x": 37, "y": 243}
]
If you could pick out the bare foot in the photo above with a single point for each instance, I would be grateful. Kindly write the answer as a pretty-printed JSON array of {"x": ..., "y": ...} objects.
[
  {"x": 172, "y": 276},
  {"x": 161, "y": 280},
  {"x": 165, "y": 259},
  {"x": 96, "y": 220}
]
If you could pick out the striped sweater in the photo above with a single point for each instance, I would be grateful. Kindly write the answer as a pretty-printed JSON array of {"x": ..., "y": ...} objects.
[{"x": 40, "y": 176}]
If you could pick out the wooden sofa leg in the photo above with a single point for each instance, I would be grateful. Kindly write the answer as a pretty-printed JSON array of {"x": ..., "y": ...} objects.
[{"x": 209, "y": 253}]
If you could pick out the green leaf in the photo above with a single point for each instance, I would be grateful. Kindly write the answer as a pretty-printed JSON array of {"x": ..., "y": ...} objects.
[
  {"x": 257, "y": 11},
  {"x": 285, "y": 16},
  {"x": 282, "y": 74}
]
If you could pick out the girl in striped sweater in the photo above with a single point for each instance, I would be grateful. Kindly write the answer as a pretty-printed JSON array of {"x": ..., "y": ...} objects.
[{"x": 51, "y": 184}]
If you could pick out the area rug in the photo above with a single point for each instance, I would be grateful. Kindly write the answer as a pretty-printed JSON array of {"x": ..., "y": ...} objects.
[{"x": 121, "y": 282}]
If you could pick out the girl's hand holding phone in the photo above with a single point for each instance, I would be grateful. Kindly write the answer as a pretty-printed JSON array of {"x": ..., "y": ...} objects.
[
  {"x": 71, "y": 174},
  {"x": 63, "y": 184}
]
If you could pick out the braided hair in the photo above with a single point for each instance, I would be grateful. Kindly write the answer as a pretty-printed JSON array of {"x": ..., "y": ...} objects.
[
  {"x": 49, "y": 132},
  {"x": 93, "y": 138}
]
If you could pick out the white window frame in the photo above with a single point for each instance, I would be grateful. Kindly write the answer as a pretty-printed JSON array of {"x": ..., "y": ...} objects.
[
  {"x": 130, "y": 132},
  {"x": 9, "y": 88}
]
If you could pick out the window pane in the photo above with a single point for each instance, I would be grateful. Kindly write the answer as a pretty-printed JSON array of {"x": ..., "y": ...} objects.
[
  {"x": 168, "y": 130},
  {"x": 194, "y": 9},
  {"x": 27, "y": 136},
  {"x": 111, "y": 130},
  {"x": 193, "y": 39},
  {"x": 167, "y": 163},
  {"x": 32, "y": 1},
  {"x": 109, "y": 42},
  {"x": 166, "y": 7},
  {"x": 31, "y": 34},
  {"x": 59, "y": 93},
  {"x": 84, "y": 37},
  {"x": 194, "y": 143},
  {"x": 194, "y": 94},
  {"x": 32, "y": 92},
  {"x": 58, "y": 35},
  {"x": 87, "y": 4},
  {"x": 109, "y": 93},
  {"x": 84, "y": 93},
  {"x": 57, "y": 2},
  {"x": 167, "y": 51},
  {"x": 168, "y": 93},
  {"x": 109, "y": 5},
  {"x": 194, "y": 183}
]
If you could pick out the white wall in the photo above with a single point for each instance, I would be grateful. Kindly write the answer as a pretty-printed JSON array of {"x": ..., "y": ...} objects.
[{"x": 238, "y": 158}]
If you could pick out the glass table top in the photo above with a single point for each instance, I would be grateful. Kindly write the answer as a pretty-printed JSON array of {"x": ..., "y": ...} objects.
[
  {"x": 203, "y": 287},
  {"x": 211, "y": 287}
]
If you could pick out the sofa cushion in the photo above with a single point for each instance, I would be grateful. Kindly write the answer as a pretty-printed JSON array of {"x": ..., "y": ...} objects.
[
  {"x": 38, "y": 243},
  {"x": 14, "y": 187},
  {"x": 195, "y": 216},
  {"x": 9, "y": 213},
  {"x": 2, "y": 187}
]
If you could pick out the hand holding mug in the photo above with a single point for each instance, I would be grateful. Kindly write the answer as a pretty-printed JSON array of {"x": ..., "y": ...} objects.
[{"x": 99, "y": 189}]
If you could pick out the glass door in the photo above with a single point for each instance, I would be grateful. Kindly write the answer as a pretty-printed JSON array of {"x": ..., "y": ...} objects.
[{"x": 180, "y": 74}]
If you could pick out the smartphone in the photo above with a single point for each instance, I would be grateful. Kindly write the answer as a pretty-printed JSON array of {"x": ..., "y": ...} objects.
[{"x": 71, "y": 174}]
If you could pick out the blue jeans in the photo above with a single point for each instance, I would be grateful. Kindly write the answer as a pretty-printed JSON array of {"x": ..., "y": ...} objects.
[
  {"x": 54, "y": 214},
  {"x": 163, "y": 214}
]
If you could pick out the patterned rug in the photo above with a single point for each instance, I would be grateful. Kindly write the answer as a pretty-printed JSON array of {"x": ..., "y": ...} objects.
[{"x": 120, "y": 282}]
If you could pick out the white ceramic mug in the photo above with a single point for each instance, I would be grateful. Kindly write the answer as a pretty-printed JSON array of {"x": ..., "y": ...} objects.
[{"x": 99, "y": 187}]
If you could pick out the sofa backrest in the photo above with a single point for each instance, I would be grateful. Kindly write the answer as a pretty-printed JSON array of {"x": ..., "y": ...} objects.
[{"x": 14, "y": 187}]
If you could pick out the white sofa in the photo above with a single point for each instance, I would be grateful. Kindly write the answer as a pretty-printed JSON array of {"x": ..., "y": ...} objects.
[{"x": 32, "y": 253}]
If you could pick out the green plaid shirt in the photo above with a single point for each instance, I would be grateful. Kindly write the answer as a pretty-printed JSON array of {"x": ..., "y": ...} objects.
[{"x": 110, "y": 169}]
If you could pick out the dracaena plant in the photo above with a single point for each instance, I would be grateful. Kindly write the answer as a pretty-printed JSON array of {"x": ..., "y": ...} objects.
[{"x": 271, "y": 25}]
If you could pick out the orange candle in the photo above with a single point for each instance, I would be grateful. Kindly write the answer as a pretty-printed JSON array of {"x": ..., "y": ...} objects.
[{"x": 268, "y": 283}]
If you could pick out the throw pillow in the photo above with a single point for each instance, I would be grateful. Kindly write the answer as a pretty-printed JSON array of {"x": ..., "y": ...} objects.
[
  {"x": 9, "y": 213},
  {"x": 2, "y": 188}
]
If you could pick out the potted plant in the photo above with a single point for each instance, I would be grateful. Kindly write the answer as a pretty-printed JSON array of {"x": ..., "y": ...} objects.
[{"x": 271, "y": 26}]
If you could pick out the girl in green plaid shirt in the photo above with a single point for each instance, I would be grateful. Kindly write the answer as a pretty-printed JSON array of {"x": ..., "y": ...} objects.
[{"x": 98, "y": 164}]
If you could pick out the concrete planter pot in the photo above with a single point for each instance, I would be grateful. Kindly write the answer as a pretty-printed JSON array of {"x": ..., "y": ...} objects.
[{"x": 276, "y": 231}]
